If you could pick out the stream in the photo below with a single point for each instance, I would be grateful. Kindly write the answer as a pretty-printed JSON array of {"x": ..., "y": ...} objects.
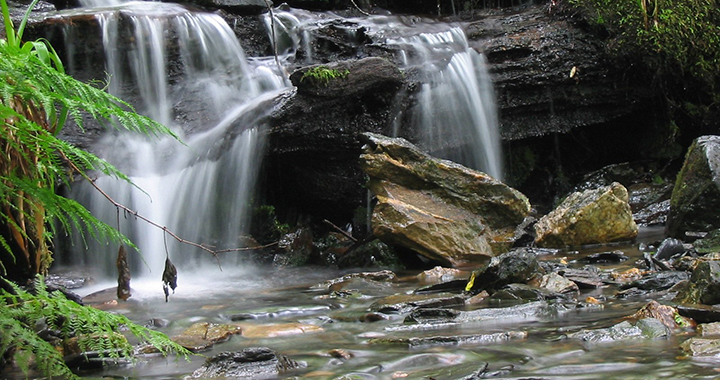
[{"x": 332, "y": 330}]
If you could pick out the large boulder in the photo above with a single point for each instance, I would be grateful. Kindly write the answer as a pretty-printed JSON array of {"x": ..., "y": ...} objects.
[
  {"x": 438, "y": 208},
  {"x": 696, "y": 195},
  {"x": 591, "y": 216},
  {"x": 704, "y": 285}
]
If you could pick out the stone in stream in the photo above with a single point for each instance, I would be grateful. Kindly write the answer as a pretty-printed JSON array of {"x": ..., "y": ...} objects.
[
  {"x": 704, "y": 285},
  {"x": 454, "y": 340},
  {"x": 256, "y": 362},
  {"x": 517, "y": 266},
  {"x": 557, "y": 284},
  {"x": 520, "y": 292},
  {"x": 696, "y": 195},
  {"x": 648, "y": 328},
  {"x": 657, "y": 281},
  {"x": 404, "y": 303},
  {"x": 668, "y": 315},
  {"x": 592, "y": 216},
  {"x": 700, "y": 313},
  {"x": 442, "y": 210},
  {"x": 669, "y": 248},
  {"x": 701, "y": 347},
  {"x": 710, "y": 243},
  {"x": 527, "y": 312},
  {"x": 203, "y": 335}
]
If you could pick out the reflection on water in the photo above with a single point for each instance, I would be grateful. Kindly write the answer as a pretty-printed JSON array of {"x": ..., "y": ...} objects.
[{"x": 278, "y": 296}]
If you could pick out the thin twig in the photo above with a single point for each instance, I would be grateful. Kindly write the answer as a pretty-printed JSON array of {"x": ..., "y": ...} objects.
[
  {"x": 340, "y": 230},
  {"x": 272, "y": 33},
  {"x": 154, "y": 224},
  {"x": 360, "y": 9}
]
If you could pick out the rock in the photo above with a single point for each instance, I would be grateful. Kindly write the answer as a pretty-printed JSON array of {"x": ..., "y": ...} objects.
[
  {"x": 592, "y": 216},
  {"x": 704, "y": 285},
  {"x": 605, "y": 257},
  {"x": 522, "y": 292},
  {"x": 531, "y": 311},
  {"x": 557, "y": 284},
  {"x": 708, "y": 329},
  {"x": 404, "y": 303},
  {"x": 701, "y": 347},
  {"x": 275, "y": 330},
  {"x": 586, "y": 278},
  {"x": 344, "y": 78},
  {"x": 648, "y": 328},
  {"x": 708, "y": 244},
  {"x": 700, "y": 313},
  {"x": 203, "y": 335},
  {"x": 313, "y": 143},
  {"x": 239, "y": 7},
  {"x": 657, "y": 281},
  {"x": 377, "y": 278},
  {"x": 669, "y": 248},
  {"x": 516, "y": 266},
  {"x": 374, "y": 253},
  {"x": 440, "y": 274},
  {"x": 696, "y": 195},
  {"x": 442, "y": 210},
  {"x": 257, "y": 362},
  {"x": 667, "y": 315},
  {"x": 453, "y": 340}
]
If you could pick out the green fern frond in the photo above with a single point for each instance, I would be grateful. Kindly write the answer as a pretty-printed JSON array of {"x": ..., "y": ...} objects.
[{"x": 95, "y": 330}]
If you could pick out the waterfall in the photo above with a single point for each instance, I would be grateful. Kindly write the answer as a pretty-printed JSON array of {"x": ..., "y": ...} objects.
[
  {"x": 188, "y": 71},
  {"x": 456, "y": 112}
]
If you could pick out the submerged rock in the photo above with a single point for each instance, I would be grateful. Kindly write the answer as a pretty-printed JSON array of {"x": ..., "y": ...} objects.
[
  {"x": 440, "y": 209},
  {"x": 201, "y": 336},
  {"x": 257, "y": 362},
  {"x": 454, "y": 340},
  {"x": 403, "y": 303},
  {"x": 648, "y": 328},
  {"x": 696, "y": 195},
  {"x": 592, "y": 216}
]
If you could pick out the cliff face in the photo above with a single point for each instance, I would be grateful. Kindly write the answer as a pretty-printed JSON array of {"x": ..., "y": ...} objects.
[{"x": 564, "y": 106}]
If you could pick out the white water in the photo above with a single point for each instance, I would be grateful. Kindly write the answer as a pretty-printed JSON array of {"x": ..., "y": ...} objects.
[
  {"x": 456, "y": 110},
  {"x": 201, "y": 191}
]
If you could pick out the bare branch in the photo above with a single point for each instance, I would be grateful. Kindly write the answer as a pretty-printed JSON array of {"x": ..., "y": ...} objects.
[{"x": 137, "y": 215}]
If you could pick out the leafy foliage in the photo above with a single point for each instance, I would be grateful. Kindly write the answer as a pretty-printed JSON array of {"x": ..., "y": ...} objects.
[
  {"x": 22, "y": 314},
  {"x": 36, "y": 99},
  {"x": 677, "y": 40}
]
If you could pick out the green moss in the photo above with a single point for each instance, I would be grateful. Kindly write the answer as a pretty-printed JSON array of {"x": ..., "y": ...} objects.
[{"x": 324, "y": 74}]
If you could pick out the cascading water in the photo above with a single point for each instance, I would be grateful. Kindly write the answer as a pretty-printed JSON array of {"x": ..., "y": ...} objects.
[
  {"x": 200, "y": 191},
  {"x": 455, "y": 112}
]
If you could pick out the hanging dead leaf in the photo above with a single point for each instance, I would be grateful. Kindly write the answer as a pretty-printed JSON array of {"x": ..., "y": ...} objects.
[
  {"x": 169, "y": 278},
  {"x": 123, "y": 288}
]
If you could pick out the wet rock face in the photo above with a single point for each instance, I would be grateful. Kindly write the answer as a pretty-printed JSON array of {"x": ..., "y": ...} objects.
[
  {"x": 313, "y": 141},
  {"x": 442, "y": 210},
  {"x": 696, "y": 195},
  {"x": 591, "y": 216},
  {"x": 248, "y": 363}
]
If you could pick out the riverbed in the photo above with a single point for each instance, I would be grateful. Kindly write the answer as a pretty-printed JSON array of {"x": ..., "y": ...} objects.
[{"x": 334, "y": 333}]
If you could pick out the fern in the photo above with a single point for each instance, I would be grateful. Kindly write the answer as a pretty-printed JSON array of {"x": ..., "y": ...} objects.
[
  {"x": 94, "y": 329},
  {"x": 36, "y": 100}
]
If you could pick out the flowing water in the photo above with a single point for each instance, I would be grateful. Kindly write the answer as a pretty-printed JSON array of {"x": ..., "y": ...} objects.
[{"x": 336, "y": 319}]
